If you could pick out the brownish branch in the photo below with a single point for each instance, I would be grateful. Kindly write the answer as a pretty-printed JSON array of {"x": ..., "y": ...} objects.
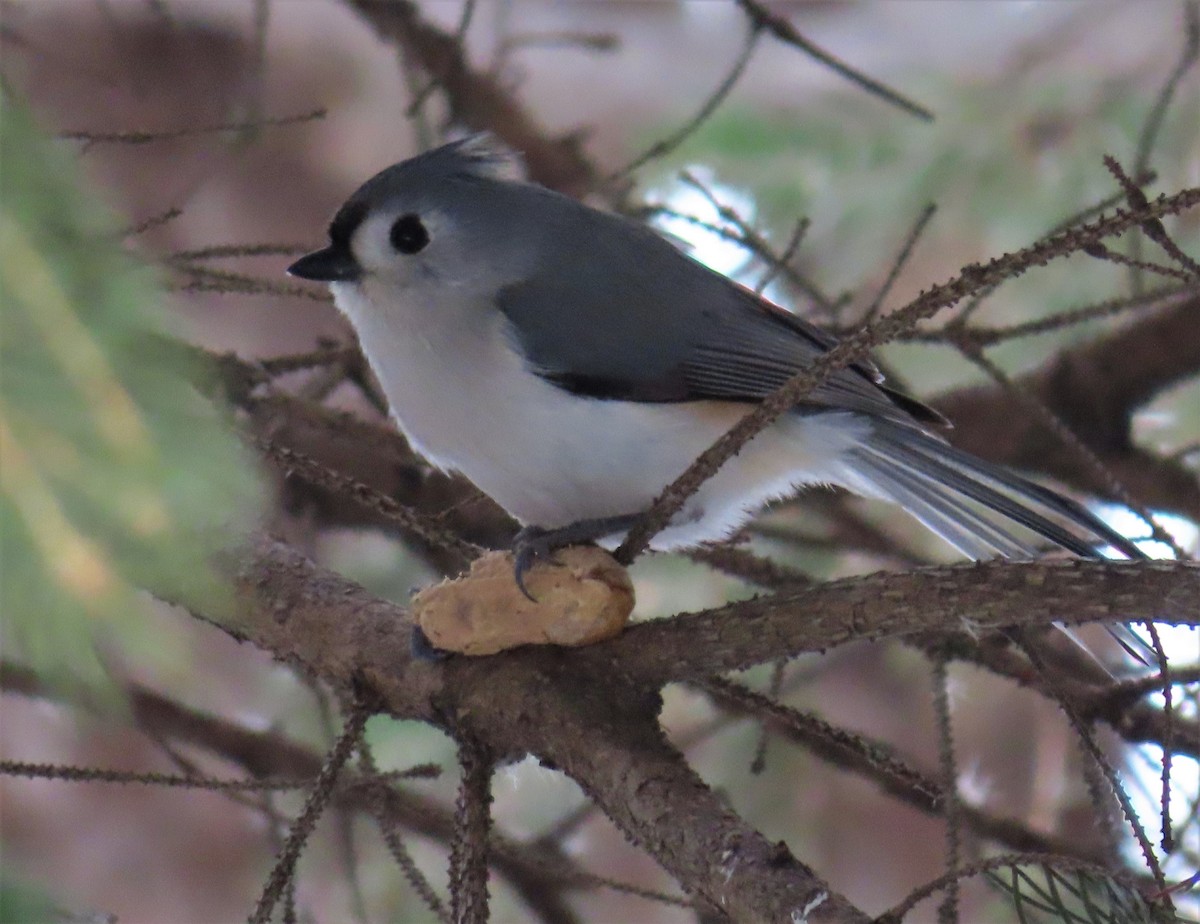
[
  {"x": 983, "y": 596},
  {"x": 472, "y": 827},
  {"x": 1081, "y": 683},
  {"x": 874, "y": 760},
  {"x": 539, "y": 872},
  {"x": 307, "y": 614},
  {"x": 591, "y": 712},
  {"x": 1094, "y": 388},
  {"x": 475, "y": 98},
  {"x": 570, "y": 711},
  {"x": 787, "y": 33}
]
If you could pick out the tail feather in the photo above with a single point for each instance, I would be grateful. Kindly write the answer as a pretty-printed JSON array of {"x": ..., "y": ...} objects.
[
  {"x": 975, "y": 506},
  {"x": 974, "y": 503},
  {"x": 967, "y": 530}
]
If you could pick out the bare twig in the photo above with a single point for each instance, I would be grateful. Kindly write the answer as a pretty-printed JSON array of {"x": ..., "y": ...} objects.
[
  {"x": 475, "y": 98},
  {"x": 1156, "y": 117},
  {"x": 410, "y": 520},
  {"x": 666, "y": 145},
  {"x": 70, "y": 774},
  {"x": 389, "y": 830},
  {"x": 150, "y": 136},
  {"x": 472, "y": 826},
  {"x": 906, "y": 250},
  {"x": 322, "y": 791},
  {"x": 949, "y": 908},
  {"x": 1094, "y": 388},
  {"x": 787, "y": 33}
]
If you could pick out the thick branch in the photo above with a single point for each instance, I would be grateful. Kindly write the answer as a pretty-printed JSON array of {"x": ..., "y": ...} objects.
[
  {"x": 988, "y": 595},
  {"x": 574, "y": 713},
  {"x": 590, "y": 712},
  {"x": 606, "y": 736},
  {"x": 305, "y": 613}
]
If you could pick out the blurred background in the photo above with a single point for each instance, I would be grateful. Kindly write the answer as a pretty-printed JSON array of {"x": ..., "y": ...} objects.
[{"x": 1027, "y": 95}]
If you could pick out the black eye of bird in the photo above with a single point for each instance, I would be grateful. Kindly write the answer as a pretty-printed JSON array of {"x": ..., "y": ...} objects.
[{"x": 408, "y": 234}]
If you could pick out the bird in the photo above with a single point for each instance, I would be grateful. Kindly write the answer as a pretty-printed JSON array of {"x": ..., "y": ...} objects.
[{"x": 572, "y": 362}]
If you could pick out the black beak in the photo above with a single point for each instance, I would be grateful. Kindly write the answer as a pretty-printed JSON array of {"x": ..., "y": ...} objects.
[{"x": 333, "y": 264}]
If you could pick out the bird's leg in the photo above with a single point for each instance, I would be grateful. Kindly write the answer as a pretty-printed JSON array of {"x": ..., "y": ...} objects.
[{"x": 534, "y": 542}]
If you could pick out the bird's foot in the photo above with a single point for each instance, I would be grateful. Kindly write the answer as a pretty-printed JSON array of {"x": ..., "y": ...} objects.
[{"x": 533, "y": 543}]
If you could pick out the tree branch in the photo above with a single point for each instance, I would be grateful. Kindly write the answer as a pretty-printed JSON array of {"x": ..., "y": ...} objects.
[
  {"x": 975, "y": 596},
  {"x": 875, "y": 760},
  {"x": 572, "y": 713},
  {"x": 475, "y": 98},
  {"x": 590, "y": 712},
  {"x": 539, "y": 871},
  {"x": 1095, "y": 387}
]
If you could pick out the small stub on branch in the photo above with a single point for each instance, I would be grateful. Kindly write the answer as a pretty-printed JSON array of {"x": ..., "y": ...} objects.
[{"x": 583, "y": 596}]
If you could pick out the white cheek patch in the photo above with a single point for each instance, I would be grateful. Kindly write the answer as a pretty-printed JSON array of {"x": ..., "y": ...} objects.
[{"x": 372, "y": 246}]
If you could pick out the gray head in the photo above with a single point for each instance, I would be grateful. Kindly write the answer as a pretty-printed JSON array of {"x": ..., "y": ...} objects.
[{"x": 445, "y": 216}]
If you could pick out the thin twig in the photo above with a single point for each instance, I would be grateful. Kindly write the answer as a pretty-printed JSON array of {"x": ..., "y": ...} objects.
[
  {"x": 410, "y": 520},
  {"x": 149, "y": 136},
  {"x": 322, "y": 790},
  {"x": 986, "y": 336},
  {"x": 71, "y": 774},
  {"x": 787, "y": 33},
  {"x": 473, "y": 822},
  {"x": 390, "y": 832},
  {"x": 785, "y": 257},
  {"x": 1153, "y": 228},
  {"x": 951, "y": 805},
  {"x": 714, "y": 99},
  {"x": 1156, "y": 117},
  {"x": 759, "y": 762},
  {"x": 906, "y": 250},
  {"x": 1087, "y": 739}
]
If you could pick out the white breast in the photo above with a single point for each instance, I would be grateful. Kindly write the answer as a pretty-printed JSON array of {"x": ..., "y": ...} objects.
[{"x": 466, "y": 401}]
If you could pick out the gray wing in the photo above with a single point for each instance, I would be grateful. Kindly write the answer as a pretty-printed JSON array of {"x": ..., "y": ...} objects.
[{"x": 662, "y": 327}]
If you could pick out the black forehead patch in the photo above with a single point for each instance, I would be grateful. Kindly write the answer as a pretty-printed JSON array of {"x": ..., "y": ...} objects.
[{"x": 346, "y": 222}]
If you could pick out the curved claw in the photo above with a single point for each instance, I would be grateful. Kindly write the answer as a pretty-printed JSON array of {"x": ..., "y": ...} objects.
[
  {"x": 530, "y": 544},
  {"x": 523, "y": 559},
  {"x": 534, "y": 542}
]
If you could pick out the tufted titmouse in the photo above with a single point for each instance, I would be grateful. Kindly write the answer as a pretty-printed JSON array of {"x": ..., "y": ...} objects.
[{"x": 572, "y": 363}]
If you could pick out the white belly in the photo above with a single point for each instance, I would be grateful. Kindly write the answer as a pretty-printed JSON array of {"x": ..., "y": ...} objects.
[{"x": 464, "y": 399}]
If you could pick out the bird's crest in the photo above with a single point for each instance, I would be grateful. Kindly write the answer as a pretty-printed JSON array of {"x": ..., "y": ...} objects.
[{"x": 483, "y": 154}]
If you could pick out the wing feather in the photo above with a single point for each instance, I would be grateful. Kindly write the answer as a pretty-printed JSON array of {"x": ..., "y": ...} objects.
[{"x": 667, "y": 328}]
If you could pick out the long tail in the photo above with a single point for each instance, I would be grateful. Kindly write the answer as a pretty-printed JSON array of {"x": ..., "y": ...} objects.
[{"x": 981, "y": 509}]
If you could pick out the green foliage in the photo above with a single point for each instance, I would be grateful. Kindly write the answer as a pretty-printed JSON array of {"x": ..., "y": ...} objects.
[
  {"x": 1005, "y": 161},
  {"x": 23, "y": 904},
  {"x": 116, "y": 475}
]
